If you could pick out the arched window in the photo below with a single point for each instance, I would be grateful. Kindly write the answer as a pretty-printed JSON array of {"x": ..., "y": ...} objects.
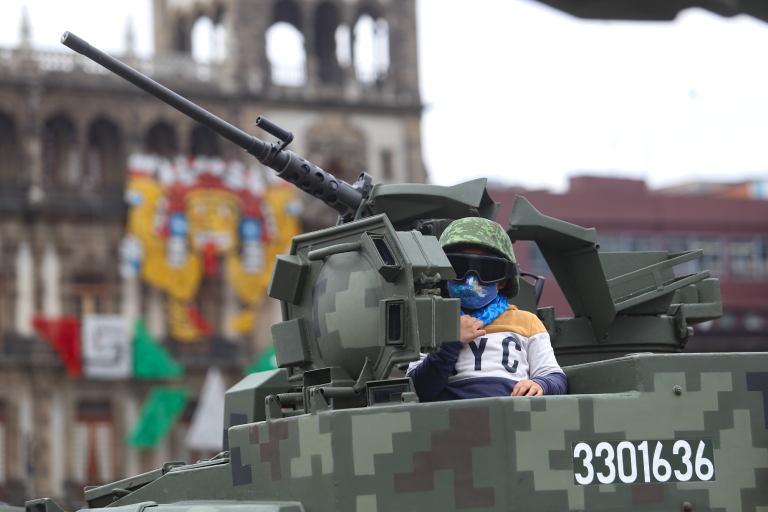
[
  {"x": 161, "y": 140},
  {"x": 203, "y": 39},
  {"x": 221, "y": 36},
  {"x": 326, "y": 41},
  {"x": 343, "y": 38},
  {"x": 61, "y": 156},
  {"x": 286, "y": 50},
  {"x": 371, "y": 49},
  {"x": 209, "y": 39},
  {"x": 104, "y": 164},
  {"x": 10, "y": 162},
  {"x": 205, "y": 142},
  {"x": 287, "y": 11}
]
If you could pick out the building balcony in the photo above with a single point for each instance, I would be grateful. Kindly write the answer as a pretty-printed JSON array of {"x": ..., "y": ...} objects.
[{"x": 181, "y": 72}]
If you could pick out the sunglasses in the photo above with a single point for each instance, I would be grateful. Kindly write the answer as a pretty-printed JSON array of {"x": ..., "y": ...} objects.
[{"x": 489, "y": 269}]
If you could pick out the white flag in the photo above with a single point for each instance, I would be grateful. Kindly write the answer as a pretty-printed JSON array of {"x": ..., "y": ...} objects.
[
  {"x": 205, "y": 431},
  {"x": 106, "y": 347}
]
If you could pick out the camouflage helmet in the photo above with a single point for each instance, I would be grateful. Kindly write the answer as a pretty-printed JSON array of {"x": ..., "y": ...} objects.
[{"x": 486, "y": 234}]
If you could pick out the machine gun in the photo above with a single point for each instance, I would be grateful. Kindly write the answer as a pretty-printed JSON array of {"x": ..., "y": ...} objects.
[
  {"x": 404, "y": 205},
  {"x": 386, "y": 266},
  {"x": 336, "y": 193}
]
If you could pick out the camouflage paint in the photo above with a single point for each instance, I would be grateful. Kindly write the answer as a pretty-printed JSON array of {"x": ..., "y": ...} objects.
[
  {"x": 504, "y": 453},
  {"x": 482, "y": 233}
]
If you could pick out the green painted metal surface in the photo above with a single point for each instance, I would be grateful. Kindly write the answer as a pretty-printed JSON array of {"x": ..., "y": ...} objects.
[{"x": 511, "y": 454}]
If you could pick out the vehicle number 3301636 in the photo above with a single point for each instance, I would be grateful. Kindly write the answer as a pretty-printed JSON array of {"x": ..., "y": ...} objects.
[{"x": 608, "y": 462}]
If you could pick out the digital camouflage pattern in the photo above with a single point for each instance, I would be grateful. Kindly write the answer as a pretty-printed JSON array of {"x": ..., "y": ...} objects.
[
  {"x": 506, "y": 453},
  {"x": 346, "y": 289},
  {"x": 482, "y": 233}
]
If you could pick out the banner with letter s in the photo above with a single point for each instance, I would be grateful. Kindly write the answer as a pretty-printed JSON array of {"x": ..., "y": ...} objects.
[{"x": 107, "y": 350}]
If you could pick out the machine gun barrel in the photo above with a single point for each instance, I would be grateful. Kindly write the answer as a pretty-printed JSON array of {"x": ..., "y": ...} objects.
[{"x": 336, "y": 193}]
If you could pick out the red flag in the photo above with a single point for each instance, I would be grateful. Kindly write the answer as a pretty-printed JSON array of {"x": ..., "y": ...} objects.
[{"x": 63, "y": 333}]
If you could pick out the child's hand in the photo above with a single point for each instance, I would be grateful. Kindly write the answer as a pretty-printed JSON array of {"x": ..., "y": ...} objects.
[
  {"x": 527, "y": 388},
  {"x": 470, "y": 328}
]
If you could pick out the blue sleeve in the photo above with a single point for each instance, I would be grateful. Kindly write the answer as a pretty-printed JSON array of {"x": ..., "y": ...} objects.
[
  {"x": 430, "y": 376},
  {"x": 553, "y": 383}
]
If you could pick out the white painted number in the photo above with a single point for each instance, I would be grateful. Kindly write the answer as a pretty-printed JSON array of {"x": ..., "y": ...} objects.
[
  {"x": 658, "y": 462},
  {"x": 627, "y": 478},
  {"x": 606, "y": 447},
  {"x": 643, "y": 447},
  {"x": 584, "y": 447},
  {"x": 622, "y": 460},
  {"x": 683, "y": 477},
  {"x": 701, "y": 461}
]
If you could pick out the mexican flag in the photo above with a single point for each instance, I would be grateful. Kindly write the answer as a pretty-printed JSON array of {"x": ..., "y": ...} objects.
[{"x": 104, "y": 347}]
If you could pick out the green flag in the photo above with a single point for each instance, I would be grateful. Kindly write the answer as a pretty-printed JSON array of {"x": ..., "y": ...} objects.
[
  {"x": 158, "y": 414},
  {"x": 264, "y": 361},
  {"x": 150, "y": 359}
]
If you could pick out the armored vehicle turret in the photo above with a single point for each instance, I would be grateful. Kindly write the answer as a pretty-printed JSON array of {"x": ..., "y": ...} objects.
[{"x": 643, "y": 426}]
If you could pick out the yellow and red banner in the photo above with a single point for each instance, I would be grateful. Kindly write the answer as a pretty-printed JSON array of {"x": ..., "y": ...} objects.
[{"x": 193, "y": 218}]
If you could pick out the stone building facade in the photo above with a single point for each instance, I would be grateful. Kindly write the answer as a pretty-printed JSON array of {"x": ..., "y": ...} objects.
[{"x": 66, "y": 129}]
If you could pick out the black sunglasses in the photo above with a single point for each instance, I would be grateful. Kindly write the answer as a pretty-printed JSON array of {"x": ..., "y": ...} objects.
[{"x": 489, "y": 269}]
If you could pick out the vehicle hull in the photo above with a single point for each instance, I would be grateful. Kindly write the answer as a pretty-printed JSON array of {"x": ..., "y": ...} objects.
[{"x": 510, "y": 453}]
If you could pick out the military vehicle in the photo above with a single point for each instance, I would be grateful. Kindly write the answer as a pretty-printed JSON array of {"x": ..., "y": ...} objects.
[{"x": 643, "y": 426}]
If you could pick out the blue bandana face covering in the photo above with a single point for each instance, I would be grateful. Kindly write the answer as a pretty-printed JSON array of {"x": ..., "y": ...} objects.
[
  {"x": 490, "y": 312},
  {"x": 472, "y": 292}
]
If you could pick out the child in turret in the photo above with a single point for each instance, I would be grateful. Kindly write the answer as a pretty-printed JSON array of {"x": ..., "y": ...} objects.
[{"x": 502, "y": 351}]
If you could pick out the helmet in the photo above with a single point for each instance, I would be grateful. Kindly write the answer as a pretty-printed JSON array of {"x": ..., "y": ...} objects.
[{"x": 486, "y": 234}]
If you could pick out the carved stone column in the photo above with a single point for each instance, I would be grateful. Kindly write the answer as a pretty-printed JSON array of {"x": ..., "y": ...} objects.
[
  {"x": 51, "y": 274},
  {"x": 25, "y": 289},
  {"x": 32, "y": 145}
]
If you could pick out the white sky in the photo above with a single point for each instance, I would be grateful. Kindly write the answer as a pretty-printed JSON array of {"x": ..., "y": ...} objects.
[{"x": 524, "y": 94}]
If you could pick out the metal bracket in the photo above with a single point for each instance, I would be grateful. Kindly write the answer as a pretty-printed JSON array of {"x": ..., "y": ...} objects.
[{"x": 284, "y": 136}]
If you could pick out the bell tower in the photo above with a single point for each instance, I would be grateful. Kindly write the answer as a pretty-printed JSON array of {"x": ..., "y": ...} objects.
[
  {"x": 360, "y": 47},
  {"x": 342, "y": 75}
]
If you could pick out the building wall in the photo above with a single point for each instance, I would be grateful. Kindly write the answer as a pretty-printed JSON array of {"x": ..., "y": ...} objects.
[
  {"x": 62, "y": 217},
  {"x": 628, "y": 217}
]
